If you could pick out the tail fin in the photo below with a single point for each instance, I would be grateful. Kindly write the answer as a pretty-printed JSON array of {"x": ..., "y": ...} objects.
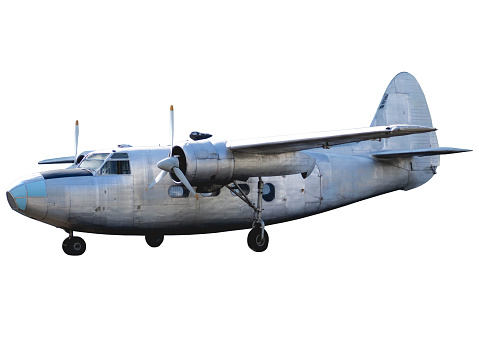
[{"x": 404, "y": 103}]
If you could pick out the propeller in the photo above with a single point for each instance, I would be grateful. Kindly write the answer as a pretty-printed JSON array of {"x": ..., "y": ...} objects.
[{"x": 171, "y": 164}]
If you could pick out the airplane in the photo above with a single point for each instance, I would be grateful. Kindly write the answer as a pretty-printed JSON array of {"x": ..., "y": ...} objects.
[{"x": 205, "y": 186}]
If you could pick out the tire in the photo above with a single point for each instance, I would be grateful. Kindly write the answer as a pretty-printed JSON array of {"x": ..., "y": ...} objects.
[
  {"x": 255, "y": 242},
  {"x": 154, "y": 240},
  {"x": 74, "y": 246}
]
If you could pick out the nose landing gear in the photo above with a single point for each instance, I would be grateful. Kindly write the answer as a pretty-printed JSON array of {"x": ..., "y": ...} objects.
[{"x": 74, "y": 246}]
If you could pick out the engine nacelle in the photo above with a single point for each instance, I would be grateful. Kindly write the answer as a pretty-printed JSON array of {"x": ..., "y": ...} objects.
[{"x": 206, "y": 163}]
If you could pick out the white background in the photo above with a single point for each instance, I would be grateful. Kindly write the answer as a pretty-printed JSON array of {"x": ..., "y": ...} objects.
[{"x": 392, "y": 277}]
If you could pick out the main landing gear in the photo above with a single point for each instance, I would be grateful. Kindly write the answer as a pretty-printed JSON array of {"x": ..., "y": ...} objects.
[
  {"x": 258, "y": 238},
  {"x": 74, "y": 246}
]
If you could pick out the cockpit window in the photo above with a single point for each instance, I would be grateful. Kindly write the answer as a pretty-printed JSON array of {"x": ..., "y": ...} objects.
[
  {"x": 119, "y": 156},
  {"x": 94, "y": 161},
  {"x": 117, "y": 164}
]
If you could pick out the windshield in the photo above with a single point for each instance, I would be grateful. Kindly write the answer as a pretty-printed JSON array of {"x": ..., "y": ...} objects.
[{"x": 94, "y": 161}]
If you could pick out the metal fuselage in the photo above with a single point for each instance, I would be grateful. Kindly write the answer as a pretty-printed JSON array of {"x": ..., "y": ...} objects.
[{"x": 79, "y": 200}]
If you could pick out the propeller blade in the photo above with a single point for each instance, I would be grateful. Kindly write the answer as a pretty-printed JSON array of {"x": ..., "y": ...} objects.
[
  {"x": 172, "y": 128},
  {"x": 183, "y": 180},
  {"x": 77, "y": 133},
  {"x": 157, "y": 179}
]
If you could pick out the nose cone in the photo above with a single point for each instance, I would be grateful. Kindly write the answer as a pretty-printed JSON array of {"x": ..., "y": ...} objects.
[{"x": 28, "y": 196}]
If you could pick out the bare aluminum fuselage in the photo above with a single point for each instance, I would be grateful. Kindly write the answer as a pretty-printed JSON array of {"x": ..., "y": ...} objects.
[{"x": 120, "y": 204}]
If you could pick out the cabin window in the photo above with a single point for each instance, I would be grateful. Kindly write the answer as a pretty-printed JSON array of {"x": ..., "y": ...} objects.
[
  {"x": 93, "y": 161},
  {"x": 244, "y": 187},
  {"x": 117, "y": 164},
  {"x": 211, "y": 194},
  {"x": 269, "y": 192},
  {"x": 178, "y": 192}
]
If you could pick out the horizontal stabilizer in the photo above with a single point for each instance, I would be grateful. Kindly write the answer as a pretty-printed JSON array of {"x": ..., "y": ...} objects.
[
  {"x": 420, "y": 152},
  {"x": 52, "y": 161},
  {"x": 282, "y": 144}
]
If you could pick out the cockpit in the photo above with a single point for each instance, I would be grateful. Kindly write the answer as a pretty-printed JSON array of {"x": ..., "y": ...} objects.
[{"x": 116, "y": 163}]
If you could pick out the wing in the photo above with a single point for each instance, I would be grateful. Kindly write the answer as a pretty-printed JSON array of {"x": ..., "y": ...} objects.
[
  {"x": 282, "y": 144},
  {"x": 51, "y": 161},
  {"x": 69, "y": 159}
]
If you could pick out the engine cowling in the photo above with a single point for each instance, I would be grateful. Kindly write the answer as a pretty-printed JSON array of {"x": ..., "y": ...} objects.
[
  {"x": 211, "y": 164},
  {"x": 204, "y": 163}
]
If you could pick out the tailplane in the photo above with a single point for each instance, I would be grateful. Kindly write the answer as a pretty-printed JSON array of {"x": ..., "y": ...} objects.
[{"x": 420, "y": 152}]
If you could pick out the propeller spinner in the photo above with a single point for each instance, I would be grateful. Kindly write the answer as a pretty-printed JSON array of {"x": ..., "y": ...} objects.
[{"x": 171, "y": 164}]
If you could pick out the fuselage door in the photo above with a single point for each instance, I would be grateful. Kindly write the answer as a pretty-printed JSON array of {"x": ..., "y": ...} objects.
[{"x": 313, "y": 191}]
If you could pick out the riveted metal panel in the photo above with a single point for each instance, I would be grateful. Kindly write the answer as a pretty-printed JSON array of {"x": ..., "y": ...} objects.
[{"x": 58, "y": 206}]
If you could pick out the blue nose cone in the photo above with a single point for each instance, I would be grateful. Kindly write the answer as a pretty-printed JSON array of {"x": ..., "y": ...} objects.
[{"x": 29, "y": 196}]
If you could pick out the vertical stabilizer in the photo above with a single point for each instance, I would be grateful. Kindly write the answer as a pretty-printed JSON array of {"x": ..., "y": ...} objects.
[{"x": 405, "y": 103}]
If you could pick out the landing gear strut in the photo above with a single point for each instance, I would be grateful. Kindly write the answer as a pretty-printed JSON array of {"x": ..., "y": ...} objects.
[
  {"x": 258, "y": 238},
  {"x": 74, "y": 246}
]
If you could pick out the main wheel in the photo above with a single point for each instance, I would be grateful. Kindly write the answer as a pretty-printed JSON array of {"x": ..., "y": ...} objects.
[
  {"x": 154, "y": 240},
  {"x": 74, "y": 246},
  {"x": 255, "y": 242}
]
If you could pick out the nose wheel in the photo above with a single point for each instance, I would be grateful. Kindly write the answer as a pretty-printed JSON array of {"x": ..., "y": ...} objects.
[{"x": 74, "y": 246}]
